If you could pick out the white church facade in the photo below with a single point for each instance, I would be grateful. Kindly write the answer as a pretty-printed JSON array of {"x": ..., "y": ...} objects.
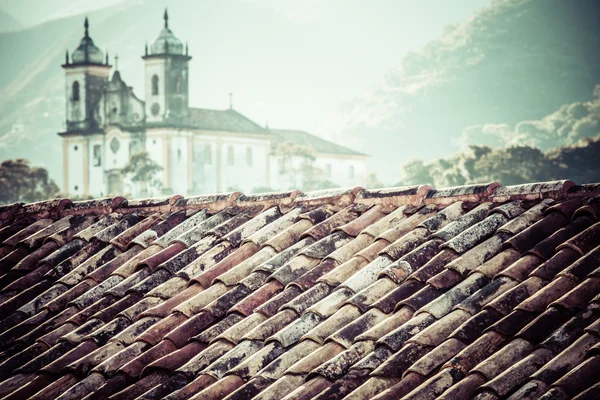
[{"x": 200, "y": 150}]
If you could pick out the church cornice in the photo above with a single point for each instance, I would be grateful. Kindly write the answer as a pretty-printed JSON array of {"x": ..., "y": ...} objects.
[
  {"x": 81, "y": 132},
  {"x": 167, "y": 55},
  {"x": 89, "y": 64}
]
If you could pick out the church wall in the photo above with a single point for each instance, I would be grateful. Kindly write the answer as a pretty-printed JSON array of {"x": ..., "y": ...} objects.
[
  {"x": 136, "y": 110},
  {"x": 96, "y": 160},
  {"x": 75, "y": 171},
  {"x": 179, "y": 163},
  {"x": 155, "y": 67},
  {"x": 346, "y": 171},
  {"x": 75, "y": 109},
  {"x": 117, "y": 152},
  {"x": 238, "y": 173},
  {"x": 205, "y": 167}
]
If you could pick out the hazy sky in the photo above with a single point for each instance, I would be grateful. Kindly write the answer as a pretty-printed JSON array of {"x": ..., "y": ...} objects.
[{"x": 315, "y": 55}]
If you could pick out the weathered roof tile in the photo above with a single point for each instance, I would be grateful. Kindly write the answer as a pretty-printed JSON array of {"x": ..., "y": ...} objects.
[{"x": 347, "y": 293}]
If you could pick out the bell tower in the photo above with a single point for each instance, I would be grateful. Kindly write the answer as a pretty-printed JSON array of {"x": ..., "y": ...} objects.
[
  {"x": 86, "y": 76},
  {"x": 166, "y": 79}
]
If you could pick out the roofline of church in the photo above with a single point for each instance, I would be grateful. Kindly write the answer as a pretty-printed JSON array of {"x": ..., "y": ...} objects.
[
  {"x": 86, "y": 64},
  {"x": 184, "y": 57}
]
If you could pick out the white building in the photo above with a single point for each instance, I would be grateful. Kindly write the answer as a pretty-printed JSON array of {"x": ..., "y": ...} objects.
[{"x": 200, "y": 150}]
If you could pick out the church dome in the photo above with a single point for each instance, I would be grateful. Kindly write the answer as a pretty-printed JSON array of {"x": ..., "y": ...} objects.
[
  {"x": 87, "y": 52},
  {"x": 166, "y": 42}
]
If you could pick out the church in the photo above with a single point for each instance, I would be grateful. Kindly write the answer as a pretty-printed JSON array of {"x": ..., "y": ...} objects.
[{"x": 200, "y": 150}]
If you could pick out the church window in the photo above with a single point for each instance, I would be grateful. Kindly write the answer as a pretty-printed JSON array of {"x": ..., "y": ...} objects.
[
  {"x": 328, "y": 170},
  {"x": 75, "y": 147},
  {"x": 351, "y": 172},
  {"x": 154, "y": 85},
  {"x": 179, "y": 85},
  {"x": 76, "y": 188},
  {"x": 207, "y": 154},
  {"x": 75, "y": 90},
  {"x": 230, "y": 155},
  {"x": 249, "y": 156},
  {"x": 97, "y": 155}
]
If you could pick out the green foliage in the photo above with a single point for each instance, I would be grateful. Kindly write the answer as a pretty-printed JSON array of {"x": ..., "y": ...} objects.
[
  {"x": 510, "y": 165},
  {"x": 20, "y": 182},
  {"x": 142, "y": 169}
]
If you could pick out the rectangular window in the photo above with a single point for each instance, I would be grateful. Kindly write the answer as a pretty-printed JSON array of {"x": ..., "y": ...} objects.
[
  {"x": 229, "y": 155},
  {"x": 249, "y": 156},
  {"x": 97, "y": 156}
]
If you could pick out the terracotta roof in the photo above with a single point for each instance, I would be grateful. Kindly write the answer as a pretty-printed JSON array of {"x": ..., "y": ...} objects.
[
  {"x": 482, "y": 292},
  {"x": 319, "y": 145},
  {"x": 224, "y": 120}
]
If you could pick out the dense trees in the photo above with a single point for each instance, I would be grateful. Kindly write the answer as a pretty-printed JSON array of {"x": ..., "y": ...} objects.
[
  {"x": 20, "y": 182},
  {"x": 509, "y": 165}
]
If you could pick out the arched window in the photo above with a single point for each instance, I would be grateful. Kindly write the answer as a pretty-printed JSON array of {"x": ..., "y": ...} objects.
[
  {"x": 154, "y": 85},
  {"x": 75, "y": 89},
  {"x": 178, "y": 85}
]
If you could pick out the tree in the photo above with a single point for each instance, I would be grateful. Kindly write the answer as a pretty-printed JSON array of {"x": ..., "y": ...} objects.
[
  {"x": 509, "y": 166},
  {"x": 141, "y": 169},
  {"x": 19, "y": 182}
]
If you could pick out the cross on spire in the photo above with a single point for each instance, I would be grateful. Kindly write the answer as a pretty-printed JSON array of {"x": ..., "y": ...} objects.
[
  {"x": 86, "y": 25},
  {"x": 116, "y": 62},
  {"x": 166, "y": 17}
]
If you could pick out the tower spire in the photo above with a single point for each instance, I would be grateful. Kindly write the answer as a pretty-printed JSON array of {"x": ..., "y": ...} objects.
[
  {"x": 86, "y": 25},
  {"x": 166, "y": 17},
  {"x": 67, "y": 57},
  {"x": 116, "y": 62},
  {"x": 106, "y": 58}
]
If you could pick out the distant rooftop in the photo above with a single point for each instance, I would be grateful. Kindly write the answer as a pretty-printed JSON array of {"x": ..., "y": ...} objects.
[
  {"x": 307, "y": 139},
  {"x": 223, "y": 120}
]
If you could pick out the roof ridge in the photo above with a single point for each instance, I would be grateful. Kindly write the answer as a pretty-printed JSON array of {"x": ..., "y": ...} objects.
[{"x": 394, "y": 196}]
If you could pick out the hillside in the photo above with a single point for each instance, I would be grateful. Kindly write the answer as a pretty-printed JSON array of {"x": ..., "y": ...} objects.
[
  {"x": 516, "y": 60},
  {"x": 8, "y": 23}
]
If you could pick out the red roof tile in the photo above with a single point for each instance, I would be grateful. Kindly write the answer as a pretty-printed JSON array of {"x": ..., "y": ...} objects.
[{"x": 480, "y": 291}]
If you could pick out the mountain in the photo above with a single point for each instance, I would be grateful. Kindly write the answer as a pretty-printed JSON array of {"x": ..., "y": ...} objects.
[
  {"x": 516, "y": 60},
  {"x": 34, "y": 12},
  {"x": 8, "y": 22}
]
